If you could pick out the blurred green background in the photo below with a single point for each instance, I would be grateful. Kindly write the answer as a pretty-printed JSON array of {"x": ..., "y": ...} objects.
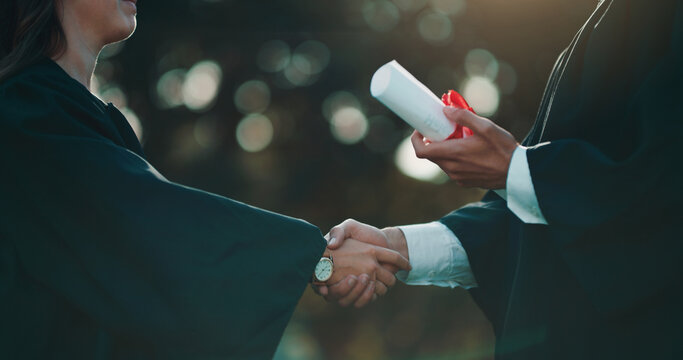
[{"x": 268, "y": 102}]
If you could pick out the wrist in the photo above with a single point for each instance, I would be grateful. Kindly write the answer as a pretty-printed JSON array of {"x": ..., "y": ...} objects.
[
  {"x": 396, "y": 241},
  {"x": 324, "y": 270}
]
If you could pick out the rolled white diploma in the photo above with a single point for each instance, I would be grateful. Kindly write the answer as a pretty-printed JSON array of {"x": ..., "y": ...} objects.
[{"x": 411, "y": 100}]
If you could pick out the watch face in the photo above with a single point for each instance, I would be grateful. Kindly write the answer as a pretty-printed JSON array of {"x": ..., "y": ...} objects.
[{"x": 323, "y": 271}]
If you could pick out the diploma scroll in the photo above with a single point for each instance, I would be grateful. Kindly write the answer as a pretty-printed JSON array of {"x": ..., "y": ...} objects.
[{"x": 412, "y": 101}]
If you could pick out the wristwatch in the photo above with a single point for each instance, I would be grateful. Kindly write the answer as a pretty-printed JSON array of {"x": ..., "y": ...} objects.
[{"x": 323, "y": 271}]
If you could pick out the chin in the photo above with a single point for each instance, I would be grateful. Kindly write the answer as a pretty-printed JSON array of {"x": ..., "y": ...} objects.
[
  {"x": 123, "y": 32},
  {"x": 131, "y": 30}
]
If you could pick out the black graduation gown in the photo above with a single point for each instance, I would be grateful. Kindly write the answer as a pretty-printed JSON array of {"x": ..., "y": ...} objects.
[
  {"x": 101, "y": 257},
  {"x": 603, "y": 280}
]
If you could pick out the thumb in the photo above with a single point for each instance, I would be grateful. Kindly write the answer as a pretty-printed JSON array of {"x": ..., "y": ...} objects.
[
  {"x": 336, "y": 237},
  {"x": 467, "y": 118}
]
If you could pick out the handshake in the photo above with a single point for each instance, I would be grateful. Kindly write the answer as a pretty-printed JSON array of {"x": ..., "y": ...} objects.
[
  {"x": 362, "y": 259},
  {"x": 364, "y": 262}
]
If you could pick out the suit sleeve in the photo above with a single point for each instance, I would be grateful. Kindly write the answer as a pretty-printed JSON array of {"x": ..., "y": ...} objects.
[
  {"x": 192, "y": 274},
  {"x": 483, "y": 230}
]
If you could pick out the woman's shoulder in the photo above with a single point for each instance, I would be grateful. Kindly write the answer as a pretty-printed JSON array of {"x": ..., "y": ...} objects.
[
  {"x": 45, "y": 85},
  {"x": 43, "y": 75},
  {"x": 44, "y": 92}
]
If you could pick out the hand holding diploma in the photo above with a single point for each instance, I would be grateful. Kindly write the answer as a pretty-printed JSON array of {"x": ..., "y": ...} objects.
[
  {"x": 481, "y": 160},
  {"x": 472, "y": 150}
]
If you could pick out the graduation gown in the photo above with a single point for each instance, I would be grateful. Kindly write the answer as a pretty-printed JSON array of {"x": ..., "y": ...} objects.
[
  {"x": 101, "y": 257},
  {"x": 604, "y": 279}
]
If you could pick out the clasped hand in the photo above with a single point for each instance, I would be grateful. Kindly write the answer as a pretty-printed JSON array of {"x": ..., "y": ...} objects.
[{"x": 366, "y": 260}]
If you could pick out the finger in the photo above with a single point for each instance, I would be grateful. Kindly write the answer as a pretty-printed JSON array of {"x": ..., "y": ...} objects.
[
  {"x": 341, "y": 232},
  {"x": 419, "y": 145},
  {"x": 443, "y": 150},
  {"x": 374, "y": 297},
  {"x": 392, "y": 257},
  {"x": 342, "y": 288},
  {"x": 328, "y": 239},
  {"x": 358, "y": 290},
  {"x": 335, "y": 237},
  {"x": 366, "y": 297},
  {"x": 467, "y": 118},
  {"x": 393, "y": 268},
  {"x": 386, "y": 277},
  {"x": 380, "y": 288},
  {"x": 351, "y": 228}
]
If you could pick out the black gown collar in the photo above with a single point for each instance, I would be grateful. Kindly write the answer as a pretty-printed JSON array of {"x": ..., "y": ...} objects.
[{"x": 118, "y": 120}]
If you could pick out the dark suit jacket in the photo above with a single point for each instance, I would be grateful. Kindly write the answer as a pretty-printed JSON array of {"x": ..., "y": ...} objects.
[
  {"x": 603, "y": 280},
  {"x": 101, "y": 257}
]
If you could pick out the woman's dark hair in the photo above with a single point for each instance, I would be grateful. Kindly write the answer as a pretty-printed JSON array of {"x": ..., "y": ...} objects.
[{"x": 30, "y": 31}]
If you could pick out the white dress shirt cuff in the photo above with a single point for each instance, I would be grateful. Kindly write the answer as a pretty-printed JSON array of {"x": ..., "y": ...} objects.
[
  {"x": 519, "y": 193},
  {"x": 437, "y": 257}
]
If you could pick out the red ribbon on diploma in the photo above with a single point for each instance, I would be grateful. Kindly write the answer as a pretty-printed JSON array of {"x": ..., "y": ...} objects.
[{"x": 452, "y": 98}]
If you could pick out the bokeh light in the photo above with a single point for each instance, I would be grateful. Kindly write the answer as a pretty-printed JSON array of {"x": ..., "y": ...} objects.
[
  {"x": 448, "y": 7},
  {"x": 254, "y": 132},
  {"x": 338, "y": 100},
  {"x": 201, "y": 85},
  {"x": 349, "y": 125},
  {"x": 299, "y": 74},
  {"x": 311, "y": 57},
  {"x": 435, "y": 27},
  {"x": 381, "y": 15},
  {"x": 507, "y": 78},
  {"x": 111, "y": 93},
  {"x": 252, "y": 97},
  {"x": 410, "y": 5},
  {"x": 482, "y": 94},
  {"x": 134, "y": 122},
  {"x": 274, "y": 56},
  {"x": 480, "y": 62},
  {"x": 170, "y": 89},
  {"x": 412, "y": 166}
]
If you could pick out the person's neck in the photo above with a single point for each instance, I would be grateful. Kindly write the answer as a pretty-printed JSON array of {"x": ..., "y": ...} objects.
[{"x": 79, "y": 60}]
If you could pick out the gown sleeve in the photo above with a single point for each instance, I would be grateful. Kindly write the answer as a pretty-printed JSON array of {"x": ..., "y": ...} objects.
[
  {"x": 622, "y": 190},
  {"x": 187, "y": 273},
  {"x": 584, "y": 182}
]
